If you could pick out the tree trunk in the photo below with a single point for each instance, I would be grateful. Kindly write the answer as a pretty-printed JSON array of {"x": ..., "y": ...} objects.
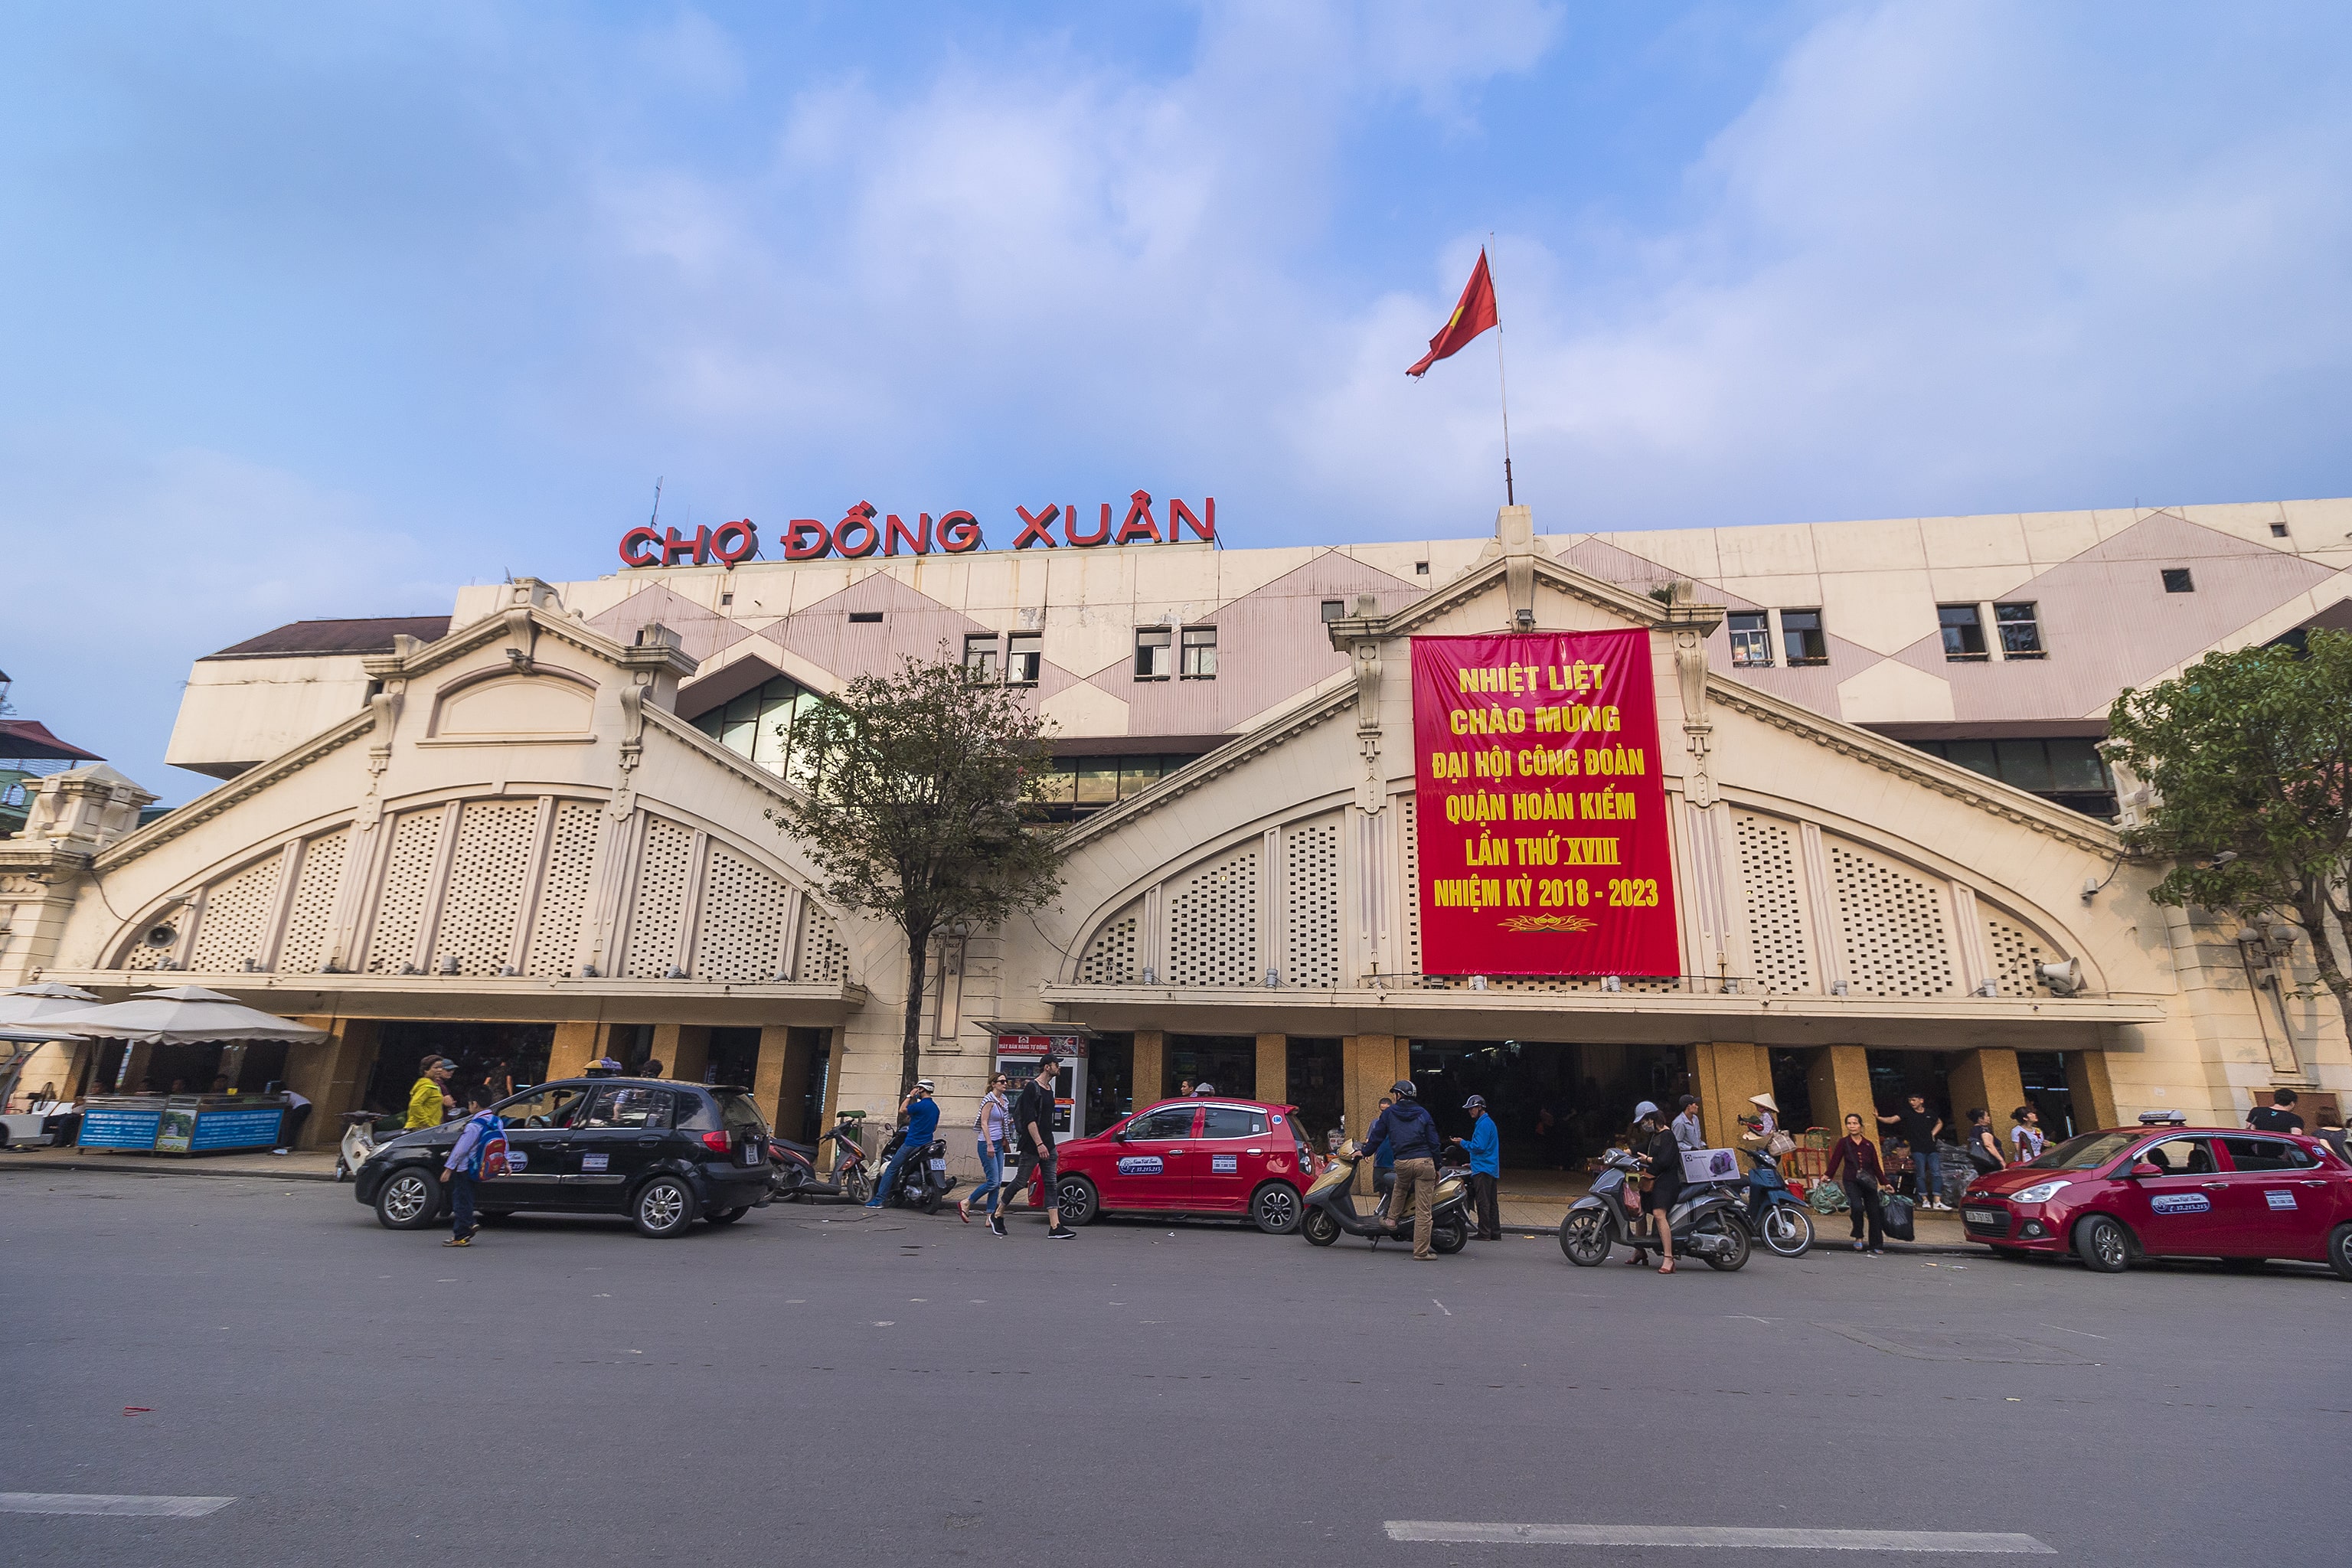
[
  {"x": 2313, "y": 920},
  {"x": 910, "y": 1043}
]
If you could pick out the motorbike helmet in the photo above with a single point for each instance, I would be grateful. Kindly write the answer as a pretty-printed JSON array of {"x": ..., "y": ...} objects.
[
  {"x": 1646, "y": 1107},
  {"x": 1402, "y": 1088},
  {"x": 1201, "y": 1088},
  {"x": 1475, "y": 1102}
]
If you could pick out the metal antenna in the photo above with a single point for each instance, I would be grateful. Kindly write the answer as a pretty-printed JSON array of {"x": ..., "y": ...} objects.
[{"x": 656, "y": 516}]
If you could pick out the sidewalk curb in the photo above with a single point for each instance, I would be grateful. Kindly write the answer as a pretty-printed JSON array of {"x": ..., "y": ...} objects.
[
  {"x": 9, "y": 1162},
  {"x": 1894, "y": 1249}
]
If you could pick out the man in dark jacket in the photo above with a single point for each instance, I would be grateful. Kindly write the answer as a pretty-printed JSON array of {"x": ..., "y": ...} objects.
[{"x": 1414, "y": 1133}]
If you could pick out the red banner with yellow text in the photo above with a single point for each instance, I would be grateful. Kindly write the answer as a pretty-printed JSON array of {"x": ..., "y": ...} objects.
[{"x": 1540, "y": 815}]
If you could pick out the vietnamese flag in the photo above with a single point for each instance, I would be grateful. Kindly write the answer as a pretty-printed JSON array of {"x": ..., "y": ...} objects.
[{"x": 1474, "y": 315}]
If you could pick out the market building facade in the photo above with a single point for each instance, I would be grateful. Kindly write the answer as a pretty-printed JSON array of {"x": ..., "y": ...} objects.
[{"x": 543, "y": 830}]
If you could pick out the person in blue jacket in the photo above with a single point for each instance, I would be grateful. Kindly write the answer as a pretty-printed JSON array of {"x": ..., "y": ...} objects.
[
  {"x": 1484, "y": 1147},
  {"x": 1410, "y": 1128},
  {"x": 921, "y": 1116}
]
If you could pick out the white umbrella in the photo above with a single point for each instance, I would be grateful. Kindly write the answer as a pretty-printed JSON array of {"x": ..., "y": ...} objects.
[
  {"x": 38, "y": 1004},
  {"x": 182, "y": 1015}
]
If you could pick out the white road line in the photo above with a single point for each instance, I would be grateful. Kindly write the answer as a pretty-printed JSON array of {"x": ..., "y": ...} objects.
[
  {"x": 1715, "y": 1535},
  {"x": 116, "y": 1503},
  {"x": 1441, "y": 1306}
]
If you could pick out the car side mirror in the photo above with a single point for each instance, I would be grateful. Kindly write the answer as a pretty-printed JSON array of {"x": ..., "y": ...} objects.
[{"x": 2144, "y": 1169}]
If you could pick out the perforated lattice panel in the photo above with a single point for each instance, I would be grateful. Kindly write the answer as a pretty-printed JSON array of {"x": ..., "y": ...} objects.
[
  {"x": 563, "y": 892},
  {"x": 141, "y": 955},
  {"x": 1213, "y": 924},
  {"x": 310, "y": 918},
  {"x": 487, "y": 876},
  {"x": 660, "y": 912},
  {"x": 1115, "y": 957},
  {"x": 743, "y": 935},
  {"x": 824, "y": 960},
  {"x": 407, "y": 876},
  {"x": 231, "y": 928},
  {"x": 1311, "y": 899},
  {"x": 2015, "y": 956},
  {"x": 1897, "y": 938},
  {"x": 1412, "y": 889},
  {"x": 1775, "y": 918}
]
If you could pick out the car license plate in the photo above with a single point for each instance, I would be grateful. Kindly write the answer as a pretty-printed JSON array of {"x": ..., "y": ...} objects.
[
  {"x": 751, "y": 1153},
  {"x": 1982, "y": 1217}
]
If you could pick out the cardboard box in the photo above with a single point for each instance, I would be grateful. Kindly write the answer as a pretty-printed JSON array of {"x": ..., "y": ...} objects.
[{"x": 1710, "y": 1165}]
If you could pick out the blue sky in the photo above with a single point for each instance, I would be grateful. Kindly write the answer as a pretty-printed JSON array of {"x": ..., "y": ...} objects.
[{"x": 325, "y": 310}]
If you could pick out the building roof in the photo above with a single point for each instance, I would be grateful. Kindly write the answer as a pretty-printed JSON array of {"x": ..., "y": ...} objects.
[
  {"x": 31, "y": 739},
  {"x": 371, "y": 635}
]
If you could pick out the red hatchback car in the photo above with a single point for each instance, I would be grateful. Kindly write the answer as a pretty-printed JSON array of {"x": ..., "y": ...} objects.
[
  {"x": 1214, "y": 1156},
  {"x": 2128, "y": 1193}
]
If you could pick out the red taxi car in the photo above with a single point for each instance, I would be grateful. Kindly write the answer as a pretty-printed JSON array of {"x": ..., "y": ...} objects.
[
  {"x": 1214, "y": 1156},
  {"x": 2129, "y": 1194}
]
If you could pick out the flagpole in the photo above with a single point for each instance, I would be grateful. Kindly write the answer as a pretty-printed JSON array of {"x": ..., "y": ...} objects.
[{"x": 1501, "y": 381}]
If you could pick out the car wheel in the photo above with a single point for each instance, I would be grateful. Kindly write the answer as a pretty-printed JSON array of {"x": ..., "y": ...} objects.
[
  {"x": 410, "y": 1199},
  {"x": 1319, "y": 1228},
  {"x": 1584, "y": 1237},
  {"x": 728, "y": 1216},
  {"x": 1076, "y": 1197},
  {"x": 2102, "y": 1244},
  {"x": 1450, "y": 1236},
  {"x": 664, "y": 1207},
  {"x": 1274, "y": 1209},
  {"x": 2339, "y": 1251}
]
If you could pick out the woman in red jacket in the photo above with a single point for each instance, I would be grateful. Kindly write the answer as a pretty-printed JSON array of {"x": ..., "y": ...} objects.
[{"x": 1854, "y": 1165}]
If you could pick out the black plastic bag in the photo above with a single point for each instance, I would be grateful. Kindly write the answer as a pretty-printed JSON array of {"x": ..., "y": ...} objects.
[{"x": 1895, "y": 1216}]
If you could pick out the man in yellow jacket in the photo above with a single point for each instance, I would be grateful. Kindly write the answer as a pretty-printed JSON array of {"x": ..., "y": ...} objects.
[{"x": 428, "y": 1102}]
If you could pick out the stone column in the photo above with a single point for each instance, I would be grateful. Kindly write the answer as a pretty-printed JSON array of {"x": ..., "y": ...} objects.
[
  {"x": 1274, "y": 1068},
  {"x": 1839, "y": 1080},
  {"x": 574, "y": 1046},
  {"x": 683, "y": 1050},
  {"x": 1989, "y": 1080},
  {"x": 1369, "y": 1064},
  {"x": 769, "y": 1075},
  {"x": 332, "y": 1075},
  {"x": 1150, "y": 1063},
  {"x": 2094, "y": 1095},
  {"x": 1723, "y": 1076}
]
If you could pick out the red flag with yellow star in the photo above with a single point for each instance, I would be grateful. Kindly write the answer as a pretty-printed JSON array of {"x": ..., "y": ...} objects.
[{"x": 1474, "y": 315}]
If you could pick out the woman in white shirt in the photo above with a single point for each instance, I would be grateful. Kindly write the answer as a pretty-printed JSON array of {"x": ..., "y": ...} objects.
[{"x": 992, "y": 1126}]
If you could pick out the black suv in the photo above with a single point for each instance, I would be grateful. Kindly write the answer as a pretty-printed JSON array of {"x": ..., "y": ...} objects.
[{"x": 662, "y": 1153}]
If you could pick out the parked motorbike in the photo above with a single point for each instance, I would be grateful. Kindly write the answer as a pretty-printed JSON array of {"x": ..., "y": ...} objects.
[
  {"x": 1782, "y": 1220},
  {"x": 923, "y": 1181},
  {"x": 793, "y": 1177},
  {"x": 1331, "y": 1211},
  {"x": 363, "y": 1132},
  {"x": 1706, "y": 1224}
]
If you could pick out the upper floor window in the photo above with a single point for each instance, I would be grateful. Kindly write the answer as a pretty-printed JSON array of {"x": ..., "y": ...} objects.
[
  {"x": 1154, "y": 653},
  {"x": 1803, "y": 638},
  {"x": 758, "y": 724},
  {"x": 1199, "y": 653},
  {"x": 1963, "y": 628},
  {"x": 979, "y": 657},
  {"x": 1751, "y": 639},
  {"x": 1026, "y": 660},
  {"x": 1335, "y": 609},
  {"x": 866, "y": 617},
  {"x": 2176, "y": 579},
  {"x": 2020, "y": 633}
]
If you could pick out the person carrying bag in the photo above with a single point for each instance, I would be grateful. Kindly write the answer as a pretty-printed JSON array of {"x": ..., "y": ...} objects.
[{"x": 1854, "y": 1165}]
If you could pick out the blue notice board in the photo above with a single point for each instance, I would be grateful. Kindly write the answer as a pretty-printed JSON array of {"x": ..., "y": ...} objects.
[
  {"x": 236, "y": 1130},
  {"x": 119, "y": 1129}
]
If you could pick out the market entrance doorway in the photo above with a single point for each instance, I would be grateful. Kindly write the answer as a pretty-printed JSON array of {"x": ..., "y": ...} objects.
[{"x": 1556, "y": 1106}]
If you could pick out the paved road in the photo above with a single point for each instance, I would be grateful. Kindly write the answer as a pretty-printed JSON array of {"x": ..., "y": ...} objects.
[{"x": 806, "y": 1387}]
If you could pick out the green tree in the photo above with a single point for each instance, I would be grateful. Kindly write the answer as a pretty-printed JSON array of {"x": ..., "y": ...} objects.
[
  {"x": 913, "y": 787},
  {"x": 2250, "y": 758}
]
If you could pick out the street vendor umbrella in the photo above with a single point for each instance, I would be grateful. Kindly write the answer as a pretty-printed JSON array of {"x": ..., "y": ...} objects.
[
  {"x": 182, "y": 1015},
  {"x": 38, "y": 1004}
]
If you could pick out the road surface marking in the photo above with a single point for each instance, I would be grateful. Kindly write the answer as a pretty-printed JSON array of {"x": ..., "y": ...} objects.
[
  {"x": 1441, "y": 1306},
  {"x": 1715, "y": 1535},
  {"x": 113, "y": 1503}
]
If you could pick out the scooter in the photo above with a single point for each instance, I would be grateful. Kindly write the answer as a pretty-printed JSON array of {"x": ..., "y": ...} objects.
[
  {"x": 1782, "y": 1220},
  {"x": 923, "y": 1182},
  {"x": 363, "y": 1134},
  {"x": 1331, "y": 1211},
  {"x": 793, "y": 1174},
  {"x": 1707, "y": 1224}
]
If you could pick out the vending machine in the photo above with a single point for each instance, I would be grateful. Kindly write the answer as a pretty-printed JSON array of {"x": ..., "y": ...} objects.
[{"x": 1019, "y": 1048}]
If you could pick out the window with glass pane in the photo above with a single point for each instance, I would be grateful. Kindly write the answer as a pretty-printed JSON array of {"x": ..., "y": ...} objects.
[
  {"x": 2076, "y": 766},
  {"x": 1963, "y": 629},
  {"x": 1026, "y": 660},
  {"x": 1199, "y": 653},
  {"x": 1098, "y": 781},
  {"x": 1137, "y": 774},
  {"x": 2025, "y": 764},
  {"x": 1059, "y": 787},
  {"x": 1335, "y": 609},
  {"x": 759, "y": 724},
  {"x": 979, "y": 657},
  {"x": 1153, "y": 647},
  {"x": 1975, "y": 755},
  {"x": 2021, "y": 633},
  {"x": 1751, "y": 639},
  {"x": 1802, "y": 638}
]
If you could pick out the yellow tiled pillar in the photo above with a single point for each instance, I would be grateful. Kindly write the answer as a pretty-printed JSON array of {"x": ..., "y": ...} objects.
[
  {"x": 683, "y": 1049},
  {"x": 1370, "y": 1064},
  {"x": 1724, "y": 1076},
  {"x": 1274, "y": 1068},
  {"x": 1150, "y": 1062},
  {"x": 1839, "y": 1079},
  {"x": 2094, "y": 1095},
  {"x": 1989, "y": 1080},
  {"x": 575, "y": 1046},
  {"x": 768, "y": 1077},
  {"x": 332, "y": 1074}
]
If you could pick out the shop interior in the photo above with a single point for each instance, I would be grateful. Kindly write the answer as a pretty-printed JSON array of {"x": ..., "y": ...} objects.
[
  {"x": 489, "y": 1056},
  {"x": 243, "y": 1066}
]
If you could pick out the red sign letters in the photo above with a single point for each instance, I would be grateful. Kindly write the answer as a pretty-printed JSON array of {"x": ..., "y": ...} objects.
[
  {"x": 1540, "y": 817},
  {"x": 858, "y": 535}
]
